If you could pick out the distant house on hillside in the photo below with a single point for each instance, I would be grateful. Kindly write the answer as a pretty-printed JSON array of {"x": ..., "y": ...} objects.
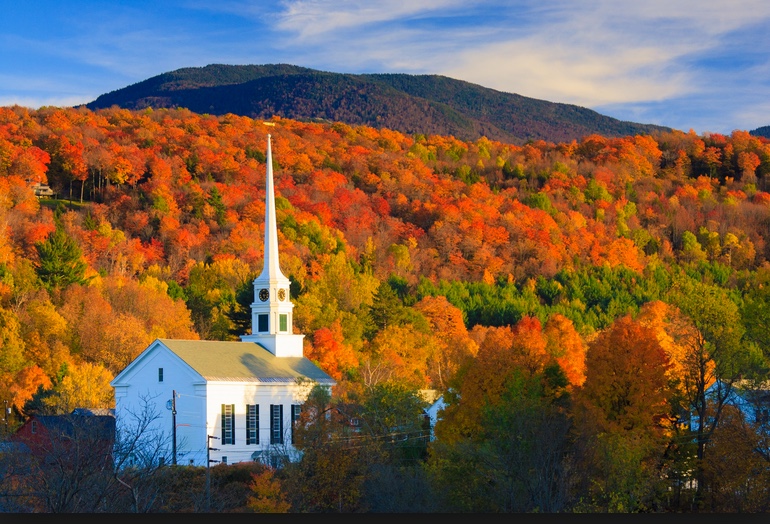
[
  {"x": 42, "y": 190},
  {"x": 196, "y": 402}
]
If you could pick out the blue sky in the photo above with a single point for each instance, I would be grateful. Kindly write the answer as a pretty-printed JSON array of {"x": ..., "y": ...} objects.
[{"x": 701, "y": 65}]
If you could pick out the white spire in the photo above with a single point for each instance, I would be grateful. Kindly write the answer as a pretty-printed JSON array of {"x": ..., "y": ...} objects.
[
  {"x": 271, "y": 269},
  {"x": 271, "y": 311}
]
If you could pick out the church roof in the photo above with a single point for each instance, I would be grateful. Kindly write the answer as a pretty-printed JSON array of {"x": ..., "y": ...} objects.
[{"x": 243, "y": 362}]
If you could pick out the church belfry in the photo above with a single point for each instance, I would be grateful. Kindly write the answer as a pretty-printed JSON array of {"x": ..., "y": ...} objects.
[{"x": 271, "y": 311}]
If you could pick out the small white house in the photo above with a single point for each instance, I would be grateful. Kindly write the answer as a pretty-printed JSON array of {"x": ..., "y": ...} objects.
[
  {"x": 199, "y": 402},
  {"x": 433, "y": 412}
]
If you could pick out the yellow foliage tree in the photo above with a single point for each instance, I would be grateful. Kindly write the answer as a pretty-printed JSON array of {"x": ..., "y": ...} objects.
[
  {"x": 401, "y": 353},
  {"x": 11, "y": 349},
  {"x": 44, "y": 330},
  {"x": 85, "y": 385}
]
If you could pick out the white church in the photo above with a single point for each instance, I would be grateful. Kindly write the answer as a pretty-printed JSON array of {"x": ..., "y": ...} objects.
[{"x": 198, "y": 402}]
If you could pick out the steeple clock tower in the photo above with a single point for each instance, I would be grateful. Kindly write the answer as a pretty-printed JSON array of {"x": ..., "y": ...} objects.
[{"x": 271, "y": 311}]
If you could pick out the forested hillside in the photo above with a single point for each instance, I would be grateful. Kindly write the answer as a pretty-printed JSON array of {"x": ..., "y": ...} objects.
[
  {"x": 585, "y": 292},
  {"x": 428, "y": 104}
]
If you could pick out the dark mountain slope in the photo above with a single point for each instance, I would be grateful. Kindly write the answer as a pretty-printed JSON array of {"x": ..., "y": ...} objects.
[
  {"x": 429, "y": 104},
  {"x": 533, "y": 116}
]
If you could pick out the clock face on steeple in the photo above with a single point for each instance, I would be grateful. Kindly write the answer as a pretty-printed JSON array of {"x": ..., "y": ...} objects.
[
  {"x": 264, "y": 294},
  {"x": 281, "y": 294}
]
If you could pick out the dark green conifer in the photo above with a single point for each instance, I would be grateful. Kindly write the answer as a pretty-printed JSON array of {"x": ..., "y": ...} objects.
[{"x": 60, "y": 261}]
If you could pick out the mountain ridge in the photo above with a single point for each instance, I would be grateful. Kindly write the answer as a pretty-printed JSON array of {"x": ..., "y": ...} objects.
[{"x": 412, "y": 104}]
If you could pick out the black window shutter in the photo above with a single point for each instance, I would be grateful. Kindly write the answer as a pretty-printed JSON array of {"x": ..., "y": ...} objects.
[
  {"x": 276, "y": 423},
  {"x": 248, "y": 424},
  {"x": 252, "y": 423},
  {"x": 224, "y": 441},
  {"x": 232, "y": 423}
]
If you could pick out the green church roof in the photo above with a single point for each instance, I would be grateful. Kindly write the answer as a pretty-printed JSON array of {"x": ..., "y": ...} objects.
[{"x": 243, "y": 362}]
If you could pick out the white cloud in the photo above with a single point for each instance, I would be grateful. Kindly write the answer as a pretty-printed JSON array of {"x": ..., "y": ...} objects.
[
  {"x": 36, "y": 102},
  {"x": 589, "y": 53},
  {"x": 570, "y": 74},
  {"x": 312, "y": 18},
  {"x": 705, "y": 17}
]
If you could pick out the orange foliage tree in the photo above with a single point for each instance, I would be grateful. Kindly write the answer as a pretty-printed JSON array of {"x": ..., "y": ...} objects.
[
  {"x": 566, "y": 345},
  {"x": 626, "y": 387},
  {"x": 622, "y": 412},
  {"x": 454, "y": 346},
  {"x": 330, "y": 351},
  {"x": 503, "y": 352}
]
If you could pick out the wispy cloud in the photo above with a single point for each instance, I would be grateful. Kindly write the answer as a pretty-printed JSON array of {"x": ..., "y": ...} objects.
[
  {"x": 312, "y": 18},
  {"x": 591, "y": 53}
]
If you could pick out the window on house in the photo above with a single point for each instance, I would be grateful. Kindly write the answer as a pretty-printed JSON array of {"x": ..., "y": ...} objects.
[
  {"x": 228, "y": 423},
  {"x": 160, "y": 374},
  {"x": 34, "y": 426},
  {"x": 224, "y": 460},
  {"x": 296, "y": 409},
  {"x": 262, "y": 325},
  {"x": 252, "y": 424},
  {"x": 283, "y": 322},
  {"x": 276, "y": 424},
  {"x": 161, "y": 461}
]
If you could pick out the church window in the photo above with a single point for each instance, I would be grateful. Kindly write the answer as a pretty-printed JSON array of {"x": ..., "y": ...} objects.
[
  {"x": 276, "y": 424},
  {"x": 284, "y": 322},
  {"x": 262, "y": 325},
  {"x": 228, "y": 423},
  {"x": 160, "y": 374},
  {"x": 252, "y": 424}
]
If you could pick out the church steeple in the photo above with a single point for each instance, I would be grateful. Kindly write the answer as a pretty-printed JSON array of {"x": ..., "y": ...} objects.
[
  {"x": 271, "y": 311},
  {"x": 271, "y": 269}
]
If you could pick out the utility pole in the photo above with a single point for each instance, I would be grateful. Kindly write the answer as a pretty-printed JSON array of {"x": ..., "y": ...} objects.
[
  {"x": 173, "y": 426},
  {"x": 209, "y": 449},
  {"x": 6, "y": 415}
]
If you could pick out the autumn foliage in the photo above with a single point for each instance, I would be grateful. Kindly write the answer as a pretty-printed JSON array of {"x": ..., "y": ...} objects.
[{"x": 464, "y": 267}]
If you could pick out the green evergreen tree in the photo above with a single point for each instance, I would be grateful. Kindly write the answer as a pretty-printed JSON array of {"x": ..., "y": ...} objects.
[
  {"x": 215, "y": 201},
  {"x": 387, "y": 309},
  {"x": 60, "y": 261}
]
